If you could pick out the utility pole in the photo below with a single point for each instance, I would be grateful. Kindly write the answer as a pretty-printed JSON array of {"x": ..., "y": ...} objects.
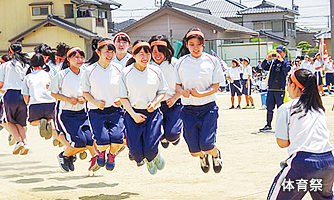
[{"x": 332, "y": 25}]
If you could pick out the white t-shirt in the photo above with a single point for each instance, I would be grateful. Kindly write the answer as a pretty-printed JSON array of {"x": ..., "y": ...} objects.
[
  {"x": 68, "y": 84},
  {"x": 12, "y": 74},
  {"x": 199, "y": 73},
  {"x": 317, "y": 63},
  {"x": 34, "y": 85},
  {"x": 169, "y": 72},
  {"x": 141, "y": 87},
  {"x": 102, "y": 83},
  {"x": 247, "y": 71},
  {"x": 123, "y": 61},
  {"x": 54, "y": 69},
  {"x": 309, "y": 134},
  {"x": 234, "y": 73},
  {"x": 330, "y": 68}
]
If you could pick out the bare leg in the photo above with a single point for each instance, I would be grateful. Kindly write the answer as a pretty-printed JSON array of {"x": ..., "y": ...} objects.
[
  {"x": 35, "y": 123},
  {"x": 239, "y": 100},
  {"x": 115, "y": 147},
  {"x": 213, "y": 152},
  {"x": 232, "y": 100},
  {"x": 14, "y": 131}
]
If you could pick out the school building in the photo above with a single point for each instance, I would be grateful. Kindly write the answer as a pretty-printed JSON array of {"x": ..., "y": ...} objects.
[{"x": 75, "y": 22}]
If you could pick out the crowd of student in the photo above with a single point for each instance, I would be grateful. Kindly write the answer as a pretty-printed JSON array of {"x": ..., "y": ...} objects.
[{"x": 139, "y": 100}]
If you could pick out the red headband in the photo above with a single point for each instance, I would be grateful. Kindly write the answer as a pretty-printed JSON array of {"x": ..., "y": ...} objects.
[
  {"x": 140, "y": 44},
  {"x": 62, "y": 59},
  {"x": 11, "y": 50},
  {"x": 195, "y": 33},
  {"x": 162, "y": 43},
  {"x": 46, "y": 58},
  {"x": 1, "y": 60},
  {"x": 295, "y": 81},
  {"x": 122, "y": 33},
  {"x": 106, "y": 42},
  {"x": 72, "y": 50}
]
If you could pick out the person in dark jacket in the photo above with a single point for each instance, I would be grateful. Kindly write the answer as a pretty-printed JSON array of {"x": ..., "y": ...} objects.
[{"x": 278, "y": 70}]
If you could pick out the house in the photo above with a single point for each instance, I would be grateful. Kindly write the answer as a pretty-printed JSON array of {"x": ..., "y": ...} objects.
[
  {"x": 75, "y": 22},
  {"x": 328, "y": 40},
  {"x": 174, "y": 20},
  {"x": 273, "y": 22},
  {"x": 304, "y": 34}
]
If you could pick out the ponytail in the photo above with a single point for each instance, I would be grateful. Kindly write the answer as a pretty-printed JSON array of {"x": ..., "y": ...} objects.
[
  {"x": 47, "y": 52},
  {"x": 310, "y": 98},
  {"x": 15, "y": 50},
  {"x": 37, "y": 61}
]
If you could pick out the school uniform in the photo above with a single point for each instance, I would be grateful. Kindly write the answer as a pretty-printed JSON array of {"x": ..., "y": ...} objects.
[
  {"x": 41, "y": 103},
  {"x": 71, "y": 120},
  {"x": 247, "y": 71},
  {"x": 199, "y": 115},
  {"x": 235, "y": 83},
  {"x": 141, "y": 88},
  {"x": 318, "y": 72},
  {"x": 307, "y": 65},
  {"x": 107, "y": 124},
  {"x": 12, "y": 74},
  {"x": 310, "y": 155},
  {"x": 54, "y": 69},
  {"x": 123, "y": 61},
  {"x": 329, "y": 74},
  {"x": 172, "y": 123}
]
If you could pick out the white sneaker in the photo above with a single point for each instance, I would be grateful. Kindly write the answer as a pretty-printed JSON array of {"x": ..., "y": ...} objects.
[
  {"x": 24, "y": 150},
  {"x": 11, "y": 140},
  {"x": 18, "y": 147}
]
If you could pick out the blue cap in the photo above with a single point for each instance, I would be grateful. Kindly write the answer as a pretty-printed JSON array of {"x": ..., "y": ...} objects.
[{"x": 281, "y": 48}]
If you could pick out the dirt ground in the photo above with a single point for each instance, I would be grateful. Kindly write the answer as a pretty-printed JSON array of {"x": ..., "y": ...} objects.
[{"x": 250, "y": 163}]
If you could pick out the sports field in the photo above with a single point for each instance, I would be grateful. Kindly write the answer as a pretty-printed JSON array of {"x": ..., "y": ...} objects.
[{"x": 250, "y": 163}]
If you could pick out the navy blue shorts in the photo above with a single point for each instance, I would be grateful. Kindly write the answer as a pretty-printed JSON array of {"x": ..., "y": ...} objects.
[
  {"x": 143, "y": 138},
  {"x": 15, "y": 107},
  {"x": 236, "y": 88},
  {"x": 319, "y": 78},
  {"x": 330, "y": 78},
  {"x": 307, "y": 166},
  {"x": 107, "y": 125},
  {"x": 200, "y": 126},
  {"x": 171, "y": 123},
  {"x": 246, "y": 91},
  {"x": 41, "y": 111},
  {"x": 75, "y": 126},
  {"x": 2, "y": 120}
]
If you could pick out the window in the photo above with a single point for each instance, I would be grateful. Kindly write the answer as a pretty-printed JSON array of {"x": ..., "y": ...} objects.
[
  {"x": 40, "y": 11},
  {"x": 69, "y": 11},
  {"x": 277, "y": 26},
  {"x": 102, "y": 14},
  {"x": 262, "y": 26}
]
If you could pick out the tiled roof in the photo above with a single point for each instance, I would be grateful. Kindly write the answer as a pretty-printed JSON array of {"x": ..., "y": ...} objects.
[
  {"x": 273, "y": 36},
  {"x": 266, "y": 7},
  {"x": 327, "y": 35},
  {"x": 97, "y": 2},
  {"x": 221, "y": 8},
  {"x": 85, "y": 33}
]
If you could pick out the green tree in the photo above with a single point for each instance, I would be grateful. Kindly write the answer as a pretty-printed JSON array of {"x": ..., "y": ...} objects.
[
  {"x": 256, "y": 40},
  {"x": 311, "y": 52},
  {"x": 304, "y": 46}
]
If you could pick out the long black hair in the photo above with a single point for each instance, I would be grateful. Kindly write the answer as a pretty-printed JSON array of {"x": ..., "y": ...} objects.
[
  {"x": 95, "y": 57},
  {"x": 15, "y": 50},
  {"x": 145, "y": 48},
  {"x": 37, "y": 61},
  {"x": 184, "y": 50},
  {"x": 66, "y": 63},
  {"x": 46, "y": 51},
  {"x": 167, "y": 51},
  {"x": 310, "y": 98}
]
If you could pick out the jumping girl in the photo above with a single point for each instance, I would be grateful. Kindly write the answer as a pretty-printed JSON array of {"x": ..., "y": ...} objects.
[
  {"x": 122, "y": 43},
  {"x": 162, "y": 54},
  {"x": 39, "y": 100},
  {"x": 302, "y": 127},
  {"x": 100, "y": 87},
  {"x": 11, "y": 78},
  {"x": 198, "y": 78},
  {"x": 142, "y": 88},
  {"x": 247, "y": 83},
  {"x": 72, "y": 119}
]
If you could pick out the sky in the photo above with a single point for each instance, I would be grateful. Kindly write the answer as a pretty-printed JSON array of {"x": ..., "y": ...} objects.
[{"x": 313, "y": 14}]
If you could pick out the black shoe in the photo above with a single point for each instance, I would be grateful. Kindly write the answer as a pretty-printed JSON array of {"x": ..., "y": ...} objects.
[
  {"x": 266, "y": 128},
  {"x": 63, "y": 162},
  {"x": 176, "y": 142},
  {"x": 164, "y": 143},
  {"x": 205, "y": 163},
  {"x": 217, "y": 163},
  {"x": 70, "y": 162}
]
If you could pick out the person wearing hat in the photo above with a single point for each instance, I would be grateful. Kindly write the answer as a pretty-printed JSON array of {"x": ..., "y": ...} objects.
[
  {"x": 247, "y": 83},
  {"x": 278, "y": 70},
  {"x": 319, "y": 66}
]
